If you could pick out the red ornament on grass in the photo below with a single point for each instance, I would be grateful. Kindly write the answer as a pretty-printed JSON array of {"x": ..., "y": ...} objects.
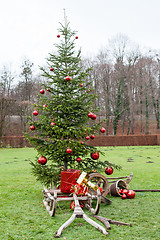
[
  {"x": 92, "y": 136},
  {"x": 108, "y": 170},
  {"x": 123, "y": 196},
  {"x": 32, "y": 127},
  {"x": 79, "y": 159},
  {"x": 95, "y": 155},
  {"x": 69, "y": 150},
  {"x": 42, "y": 91},
  {"x": 125, "y": 191},
  {"x": 35, "y": 113},
  {"x": 42, "y": 160},
  {"x": 102, "y": 130},
  {"x": 68, "y": 78},
  {"x": 131, "y": 194}
]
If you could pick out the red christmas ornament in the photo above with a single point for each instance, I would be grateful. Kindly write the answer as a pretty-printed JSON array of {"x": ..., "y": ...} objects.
[
  {"x": 125, "y": 191},
  {"x": 42, "y": 91},
  {"x": 68, "y": 78},
  {"x": 44, "y": 105},
  {"x": 93, "y": 116},
  {"x": 42, "y": 160},
  {"x": 53, "y": 124},
  {"x": 87, "y": 91},
  {"x": 87, "y": 138},
  {"x": 131, "y": 194},
  {"x": 123, "y": 196},
  {"x": 95, "y": 155},
  {"x": 76, "y": 37},
  {"x": 102, "y": 130},
  {"x": 48, "y": 90},
  {"x": 108, "y": 170},
  {"x": 92, "y": 136},
  {"x": 69, "y": 150},
  {"x": 120, "y": 191},
  {"x": 81, "y": 84},
  {"x": 79, "y": 159},
  {"x": 58, "y": 36},
  {"x": 32, "y": 127},
  {"x": 82, "y": 142},
  {"x": 35, "y": 113},
  {"x": 51, "y": 69},
  {"x": 90, "y": 114}
]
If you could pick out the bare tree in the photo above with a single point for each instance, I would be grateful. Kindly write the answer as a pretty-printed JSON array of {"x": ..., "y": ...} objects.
[{"x": 6, "y": 100}]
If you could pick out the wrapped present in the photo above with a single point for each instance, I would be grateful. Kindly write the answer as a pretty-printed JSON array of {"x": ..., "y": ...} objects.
[{"x": 69, "y": 179}]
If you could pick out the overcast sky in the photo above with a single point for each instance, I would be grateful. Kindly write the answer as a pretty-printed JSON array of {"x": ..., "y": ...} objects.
[{"x": 28, "y": 28}]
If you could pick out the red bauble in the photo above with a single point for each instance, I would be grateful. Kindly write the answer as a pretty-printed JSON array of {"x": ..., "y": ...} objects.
[
  {"x": 108, "y": 170},
  {"x": 53, "y": 124},
  {"x": 48, "y": 90},
  {"x": 81, "y": 84},
  {"x": 131, "y": 194},
  {"x": 58, "y": 36},
  {"x": 82, "y": 142},
  {"x": 51, "y": 69},
  {"x": 42, "y": 160},
  {"x": 42, "y": 91},
  {"x": 87, "y": 91},
  {"x": 90, "y": 114},
  {"x": 93, "y": 116},
  {"x": 95, "y": 155},
  {"x": 121, "y": 191},
  {"x": 123, "y": 196},
  {"x": 32, "y": 127},
  {"x": 35, "y": 113},
  {"x": 79, "y": 159},
  {"x": 68, "y": 78},
  {"x": 87, "y": 138},
  {"x": 92, "y": 136},
  {"x": 44, "y": 105},
  {"x": 102, "y": 130},
  {"x": 76, "y": 37},
  {"x": 125, "y": 191},
  {"x": 69, "y": 150}
]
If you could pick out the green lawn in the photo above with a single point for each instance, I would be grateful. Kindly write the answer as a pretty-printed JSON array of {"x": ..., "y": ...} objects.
[{"x": 23, "y": 216}]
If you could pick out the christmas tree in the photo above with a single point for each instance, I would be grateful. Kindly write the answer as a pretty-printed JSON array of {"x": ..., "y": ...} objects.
[{"x": 60, "y": 119}]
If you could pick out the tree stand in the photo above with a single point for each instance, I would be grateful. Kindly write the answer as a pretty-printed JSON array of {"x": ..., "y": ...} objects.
[{"x": 79, "y": 213}]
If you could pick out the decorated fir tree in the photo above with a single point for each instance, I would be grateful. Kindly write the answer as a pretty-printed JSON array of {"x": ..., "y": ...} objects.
[{"x": 60, "y": 127}]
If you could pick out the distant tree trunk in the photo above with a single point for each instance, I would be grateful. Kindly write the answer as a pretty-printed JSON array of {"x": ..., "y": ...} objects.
[
  {"x": 154, "y": 101},
  {"x": 117, "y": 111},
  {"x": 146, "y": 111}
]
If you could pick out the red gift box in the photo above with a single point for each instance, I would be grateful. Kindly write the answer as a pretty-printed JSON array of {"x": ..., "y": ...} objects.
[{"x": 68, "y": 179}]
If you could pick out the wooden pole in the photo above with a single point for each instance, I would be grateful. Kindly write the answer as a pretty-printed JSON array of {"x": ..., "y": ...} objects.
[{"x": 147, "y": 190}]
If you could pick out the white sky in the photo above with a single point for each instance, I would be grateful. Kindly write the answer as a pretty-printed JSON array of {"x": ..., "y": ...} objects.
[{"x": 29, "y": 27}]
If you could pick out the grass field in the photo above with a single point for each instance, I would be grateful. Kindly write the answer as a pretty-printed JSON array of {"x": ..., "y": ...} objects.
[{"x": 23, "y": 216}]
